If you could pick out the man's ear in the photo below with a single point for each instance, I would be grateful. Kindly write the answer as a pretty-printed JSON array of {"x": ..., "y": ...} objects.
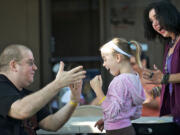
[{"x": 13, "y": 65}]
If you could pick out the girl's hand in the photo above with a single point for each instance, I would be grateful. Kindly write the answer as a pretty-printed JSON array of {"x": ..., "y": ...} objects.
[
  {"x": 100, "y": 124},
  {"x": 96, "y": 84}
]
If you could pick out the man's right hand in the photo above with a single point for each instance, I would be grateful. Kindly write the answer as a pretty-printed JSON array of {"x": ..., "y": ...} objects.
[{"x": 65, "y": 78}]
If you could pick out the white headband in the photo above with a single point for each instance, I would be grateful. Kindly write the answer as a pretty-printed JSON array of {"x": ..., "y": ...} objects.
[{"x": 115, "y": 47}]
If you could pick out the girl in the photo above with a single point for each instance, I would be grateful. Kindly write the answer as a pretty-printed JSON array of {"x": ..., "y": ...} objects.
[{"x": 125, "y": 95}]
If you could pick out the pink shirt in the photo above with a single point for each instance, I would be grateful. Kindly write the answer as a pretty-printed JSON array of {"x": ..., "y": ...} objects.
[{"x": 123, "y": 101}]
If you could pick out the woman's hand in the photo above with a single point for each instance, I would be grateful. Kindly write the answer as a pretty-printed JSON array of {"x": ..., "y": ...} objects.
[
  {"x": 100, "y": 124},
  {"x": 152, "y": 76}
]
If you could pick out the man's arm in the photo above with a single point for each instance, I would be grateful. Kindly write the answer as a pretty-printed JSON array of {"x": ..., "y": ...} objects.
[
  {"x": 31, "y": 104},
  {"x": 55, "y": 121}
]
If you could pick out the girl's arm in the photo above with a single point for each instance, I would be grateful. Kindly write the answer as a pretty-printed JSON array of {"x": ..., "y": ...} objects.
[
  {"x": 116, "y": 102},
  {"x": 138, "y": 113},
  {"x": 96, "y": 85}
]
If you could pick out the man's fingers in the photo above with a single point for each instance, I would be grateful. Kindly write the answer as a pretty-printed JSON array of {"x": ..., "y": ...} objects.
[
  {"x": 80, "y": 75},
  {"x": 78, "y": 72},
  {"x": 71, "y": 86},
  {"x": 61, "y": 66},
  {"x": 76, "y": 69},
  {"x": 83, "y": 72},
  {"x": 77, "y": 81}
]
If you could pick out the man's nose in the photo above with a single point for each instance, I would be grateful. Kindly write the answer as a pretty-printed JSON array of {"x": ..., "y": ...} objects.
[{"x": 35, "y": 67}]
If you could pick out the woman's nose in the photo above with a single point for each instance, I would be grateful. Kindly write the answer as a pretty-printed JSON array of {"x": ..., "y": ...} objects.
[{"x": 155, "y": 23}]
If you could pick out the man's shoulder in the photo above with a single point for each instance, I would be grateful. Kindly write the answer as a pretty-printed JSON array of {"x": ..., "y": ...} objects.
[
  {"x": 4, "y": 81},
  {"x": 6, "y": 86},
  {"x": 27, "y": 91},
  {"x": 3, "y": 78}
]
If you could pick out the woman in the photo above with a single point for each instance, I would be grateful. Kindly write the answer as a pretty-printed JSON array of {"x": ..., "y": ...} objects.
[{"x": 162, "y": 20}]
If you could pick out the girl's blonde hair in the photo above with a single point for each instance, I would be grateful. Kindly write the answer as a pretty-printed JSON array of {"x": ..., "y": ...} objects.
[{"x": 124, "y": 45}]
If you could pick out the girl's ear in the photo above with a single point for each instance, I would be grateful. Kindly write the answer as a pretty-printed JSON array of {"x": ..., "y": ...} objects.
[{"x": 118, "y": 57}]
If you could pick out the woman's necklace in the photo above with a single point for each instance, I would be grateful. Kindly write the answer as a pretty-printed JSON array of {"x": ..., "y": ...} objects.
[
  {"x": 173, "y": 41},
  {"x": 171, "y": 44}
]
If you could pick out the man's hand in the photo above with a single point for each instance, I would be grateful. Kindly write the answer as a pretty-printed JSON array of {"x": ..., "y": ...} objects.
[
  {"x": 76, "y": 89},
  {"x": 65, "y": 78}
]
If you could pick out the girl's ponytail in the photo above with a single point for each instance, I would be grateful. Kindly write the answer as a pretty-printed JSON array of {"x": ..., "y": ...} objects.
[{"x": 138, "y": 52}]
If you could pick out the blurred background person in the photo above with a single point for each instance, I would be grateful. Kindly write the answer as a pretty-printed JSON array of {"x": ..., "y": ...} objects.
[{"x": 151, "y": 106}]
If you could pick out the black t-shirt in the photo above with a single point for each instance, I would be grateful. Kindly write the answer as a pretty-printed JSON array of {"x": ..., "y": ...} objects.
[{"x": 8, "y": 95}]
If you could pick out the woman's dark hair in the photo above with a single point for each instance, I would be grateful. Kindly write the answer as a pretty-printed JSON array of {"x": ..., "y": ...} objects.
[{"x": 168, "y": 17}]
